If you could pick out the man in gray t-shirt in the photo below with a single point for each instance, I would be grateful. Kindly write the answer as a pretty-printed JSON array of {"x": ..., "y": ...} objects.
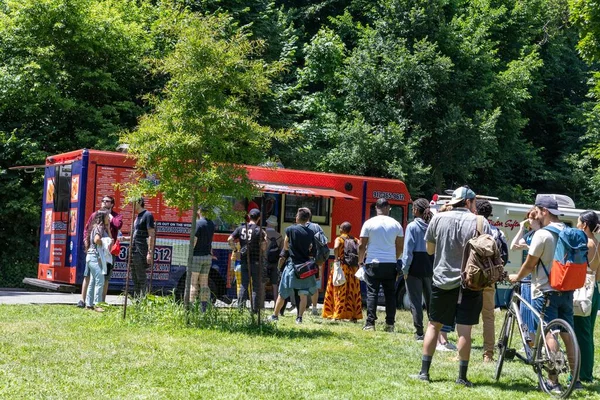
[{"x": 446, "y": 237}]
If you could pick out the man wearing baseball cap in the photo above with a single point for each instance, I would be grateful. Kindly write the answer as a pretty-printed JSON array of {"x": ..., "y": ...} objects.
[
  {"x": 541, "y": 251},
  {"x": 446, "y": 237}
]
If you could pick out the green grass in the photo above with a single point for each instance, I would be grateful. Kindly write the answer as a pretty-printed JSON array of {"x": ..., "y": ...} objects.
[{"x": 63, "y": 352}]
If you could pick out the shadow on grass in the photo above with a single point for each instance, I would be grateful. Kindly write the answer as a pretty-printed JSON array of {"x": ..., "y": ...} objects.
[
  {"x": 591, "y": 387},
  {"x": 290, "y": 333},
  {"x": 507, "y": 387},
  {"x": 524, "y": 387}
]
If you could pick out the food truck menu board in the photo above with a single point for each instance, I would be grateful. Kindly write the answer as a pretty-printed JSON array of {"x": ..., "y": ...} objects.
[{"x": 109, "y": 181}]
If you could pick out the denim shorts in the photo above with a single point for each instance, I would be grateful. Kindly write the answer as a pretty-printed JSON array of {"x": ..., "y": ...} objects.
[{"x": 560, "y": 306}]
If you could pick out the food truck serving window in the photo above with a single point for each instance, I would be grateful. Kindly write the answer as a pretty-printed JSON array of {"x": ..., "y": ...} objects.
[
  {"x": 62, "y": 183},
  {"x": 396, "y": 212},
  {"x": 318, "y": 206}
]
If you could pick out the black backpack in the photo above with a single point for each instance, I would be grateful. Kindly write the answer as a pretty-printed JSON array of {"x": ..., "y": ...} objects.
[
  {"x": 501, "y": 243},
  {"x": 273, "y": 251},
  {"x": 321, "y": 250},
  {"x": 350, "y": 252}
]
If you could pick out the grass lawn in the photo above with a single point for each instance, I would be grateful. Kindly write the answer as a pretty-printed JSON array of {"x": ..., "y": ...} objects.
[{"x": 63, "y": 352}]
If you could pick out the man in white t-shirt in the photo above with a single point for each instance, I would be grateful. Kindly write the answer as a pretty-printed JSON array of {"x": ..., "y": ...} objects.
[
  {"x": 381, "y": 240},
  {"x": 539, "y": 264}
]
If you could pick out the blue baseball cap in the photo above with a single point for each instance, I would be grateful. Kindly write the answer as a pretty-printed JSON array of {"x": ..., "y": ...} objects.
[{"x": 549, "y": 203}]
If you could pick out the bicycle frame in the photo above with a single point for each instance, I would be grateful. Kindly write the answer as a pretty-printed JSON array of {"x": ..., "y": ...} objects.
[{"x": 539, "y": 339}]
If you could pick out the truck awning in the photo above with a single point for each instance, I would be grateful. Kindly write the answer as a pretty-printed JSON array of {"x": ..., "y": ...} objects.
[{"x": 304, "y": 191}]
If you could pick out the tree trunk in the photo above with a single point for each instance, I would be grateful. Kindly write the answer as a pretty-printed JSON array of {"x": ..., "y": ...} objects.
[{"x": 188, "y": 275}]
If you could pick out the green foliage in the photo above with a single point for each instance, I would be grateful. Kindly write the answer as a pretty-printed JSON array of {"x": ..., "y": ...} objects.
[
  {"x": 71, "y": 73},
  {"x": 430, "y": 73},
  {"x": 166, "y": 312},
  {"x": 61, "y": 352},
  {"x": 586, "y": 16},
  {"x": 437, "y": 93},
  {"x": 203, "y": 126}
]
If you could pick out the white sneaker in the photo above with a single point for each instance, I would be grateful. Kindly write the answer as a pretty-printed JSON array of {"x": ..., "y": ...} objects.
[{"x": 445, "y": 347}]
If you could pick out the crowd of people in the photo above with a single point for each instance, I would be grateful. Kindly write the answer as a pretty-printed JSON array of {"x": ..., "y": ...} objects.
[{"x": 429, "y": 256}]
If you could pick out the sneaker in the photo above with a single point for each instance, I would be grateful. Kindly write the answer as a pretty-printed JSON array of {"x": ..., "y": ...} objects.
[
  {"x": 89, "y": 307},
  {"x": 445, "y": 347},
  {"x": 81, "y": 304},
  {"x": 98, "y": 309},
  {"x": 578, "y": 385},
  {"x": 422, "y": 376},
  {"x": 419, "y": 338},
  {"x": 273, "y": 318},
  {"x": 388, "y": 328},
  {"x": 488, "y": 358},
  {"x": 369, "y": 328},
  {"x": 298, "y": 320},
  {"x": 554, "y": 387},
  {"x": 315, "y": 311},
  {"x": 464, "y": 382}
]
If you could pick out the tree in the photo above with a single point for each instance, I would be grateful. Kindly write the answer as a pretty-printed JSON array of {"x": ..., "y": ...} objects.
[
  {"x": 203, "y": 126},
  {"x": 71, "y": 72},
  {"x": 425, "y": 79},
  {"x": 586, "y": 16}
]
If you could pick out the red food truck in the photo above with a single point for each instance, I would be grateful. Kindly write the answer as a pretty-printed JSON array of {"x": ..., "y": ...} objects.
[{"x": 75, "y": 182}]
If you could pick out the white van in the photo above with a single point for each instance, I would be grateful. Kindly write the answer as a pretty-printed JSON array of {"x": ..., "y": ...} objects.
[{"x": 506, "y": 217}]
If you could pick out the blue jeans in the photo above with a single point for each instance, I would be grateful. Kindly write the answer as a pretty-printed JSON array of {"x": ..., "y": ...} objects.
[
  {"x": 96, "y": 287},
  {"x": 560, "y": 305}
]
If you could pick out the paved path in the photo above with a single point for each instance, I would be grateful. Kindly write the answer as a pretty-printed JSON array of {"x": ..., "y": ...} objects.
[{"x": 15, "y": 296}]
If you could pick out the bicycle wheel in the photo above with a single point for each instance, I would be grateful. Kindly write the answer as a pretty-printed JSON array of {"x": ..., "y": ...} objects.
[
  {"x": 504, "y": 341},
  {"x": 557, "y": 369}
]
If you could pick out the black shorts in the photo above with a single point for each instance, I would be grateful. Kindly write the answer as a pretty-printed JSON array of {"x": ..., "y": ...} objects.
[{"x": 444, "y": 307}]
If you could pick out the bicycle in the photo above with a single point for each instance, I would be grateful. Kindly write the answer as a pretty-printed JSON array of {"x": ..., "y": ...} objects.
[{"x": 547, "y": 353}]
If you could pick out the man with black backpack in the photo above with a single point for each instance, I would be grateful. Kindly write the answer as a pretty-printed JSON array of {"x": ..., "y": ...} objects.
[
  {"x": 321, "y": 253},
  {"x": 484, "y": 208},
  {"x": 274, "y": 246}
]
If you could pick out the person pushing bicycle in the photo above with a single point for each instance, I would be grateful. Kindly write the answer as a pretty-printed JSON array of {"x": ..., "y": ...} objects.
[{"x": 559, "y": 304}]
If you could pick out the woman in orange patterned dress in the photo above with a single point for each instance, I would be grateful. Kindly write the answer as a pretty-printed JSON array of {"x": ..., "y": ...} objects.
[{"x": 343, "y": 302}]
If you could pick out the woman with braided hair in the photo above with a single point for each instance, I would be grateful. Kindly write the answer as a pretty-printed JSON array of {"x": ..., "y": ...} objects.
[{"x": 417, "y": 265}]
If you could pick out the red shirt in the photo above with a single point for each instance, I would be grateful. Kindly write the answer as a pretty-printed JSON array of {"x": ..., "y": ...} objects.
[{"x": 115, "y": 224}]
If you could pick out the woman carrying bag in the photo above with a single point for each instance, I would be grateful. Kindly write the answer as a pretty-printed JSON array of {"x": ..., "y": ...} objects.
[
  {"x": 96, "y": 260},
  {"x": 342, "y": 299},
  {"x": 584, "y": 326}
]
